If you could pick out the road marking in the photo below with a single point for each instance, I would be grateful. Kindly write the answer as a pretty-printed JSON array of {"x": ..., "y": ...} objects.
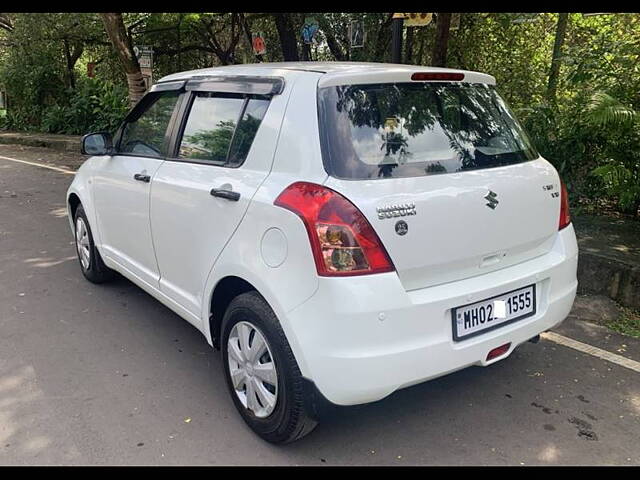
[
  {"x": 43, "y": 165},
  {"x": 591, "y": 350}
]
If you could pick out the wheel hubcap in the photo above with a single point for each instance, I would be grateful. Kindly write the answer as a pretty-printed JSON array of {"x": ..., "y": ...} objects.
[
  {"x": 82, "y": 243},
  {"x": 252, "y": 369}
]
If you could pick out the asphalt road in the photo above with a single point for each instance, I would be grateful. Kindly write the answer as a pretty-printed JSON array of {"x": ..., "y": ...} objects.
[{"x": 107, "y": 375}]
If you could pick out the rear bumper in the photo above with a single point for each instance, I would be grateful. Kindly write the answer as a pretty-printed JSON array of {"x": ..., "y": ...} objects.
[{"x": 359, "y": 341}]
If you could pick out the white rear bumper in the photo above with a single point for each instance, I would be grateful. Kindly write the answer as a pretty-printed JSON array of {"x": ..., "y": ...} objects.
[{"x": 361, "y": 338}]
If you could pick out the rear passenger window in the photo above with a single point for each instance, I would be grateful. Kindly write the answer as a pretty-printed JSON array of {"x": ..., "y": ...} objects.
[
  {"x": 220, "y": 128},
  {"x": 247, "y": 129}
]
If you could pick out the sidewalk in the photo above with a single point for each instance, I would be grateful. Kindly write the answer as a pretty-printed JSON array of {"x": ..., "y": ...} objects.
[{"x": 609, "y": 262}]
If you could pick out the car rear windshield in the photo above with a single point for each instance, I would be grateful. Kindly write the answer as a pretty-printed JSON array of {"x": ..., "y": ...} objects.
[{"x": 416, "y": 129}]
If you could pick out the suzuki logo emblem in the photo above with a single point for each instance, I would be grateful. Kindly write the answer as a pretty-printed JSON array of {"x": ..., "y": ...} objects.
[{"x": 492, "y": 200}]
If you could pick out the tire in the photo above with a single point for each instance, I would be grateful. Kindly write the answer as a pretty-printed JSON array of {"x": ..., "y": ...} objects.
[
  {"x": 289, "y": 419},
  {"x": 91, "y": 264}
]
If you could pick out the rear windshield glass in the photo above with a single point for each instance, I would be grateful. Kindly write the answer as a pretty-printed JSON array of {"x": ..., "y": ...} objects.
[{"x": 416, "y": 129}]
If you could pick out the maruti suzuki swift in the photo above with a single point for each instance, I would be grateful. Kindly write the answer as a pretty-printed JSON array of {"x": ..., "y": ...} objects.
[{"x": 338, "y": 231}]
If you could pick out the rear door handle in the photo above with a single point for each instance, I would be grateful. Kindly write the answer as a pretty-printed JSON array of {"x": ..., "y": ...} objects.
[
  {"x": 141, "y": 177},
  {"x": 226, "y": 194}
]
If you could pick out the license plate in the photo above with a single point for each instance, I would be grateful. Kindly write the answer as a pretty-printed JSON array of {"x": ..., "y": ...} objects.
[{"x": 480, "y": 317}]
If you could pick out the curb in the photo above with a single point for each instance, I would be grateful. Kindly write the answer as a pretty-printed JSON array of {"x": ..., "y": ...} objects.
[
  {"x": 65, "y": 144},
  {"x": 598, "y": 274}
]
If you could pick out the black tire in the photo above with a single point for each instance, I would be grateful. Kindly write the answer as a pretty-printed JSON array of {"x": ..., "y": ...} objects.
[
  {"x": 290, "y": 419},
  {"x": 97, "y": 271}
]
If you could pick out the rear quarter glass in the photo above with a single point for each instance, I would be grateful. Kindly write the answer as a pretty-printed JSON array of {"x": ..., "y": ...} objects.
[{"x": 394, "y": 130}]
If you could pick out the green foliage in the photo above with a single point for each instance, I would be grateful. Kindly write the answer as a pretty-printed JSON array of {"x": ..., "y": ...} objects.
[
  {"x": 590, "y": 133},
  {"x": 605, "y": 111},
  {"x": 47, "y": 94},
  {"x": 621, "y": 172},
  {"x": 95, "y": 105},
  {"x": 622, "y": 183}
]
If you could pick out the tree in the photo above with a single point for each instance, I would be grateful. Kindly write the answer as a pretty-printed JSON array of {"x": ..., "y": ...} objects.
[
  {"x": 408, "y": 48},
  {"x": 329, "y": 34},
  {"x": 287, "y": 36},
  {"x": 122, "y": 43},
  {"x": 439, "y": 56},
  {"x": 561, "y": 30},
  {"x": 221, "y": 32}
]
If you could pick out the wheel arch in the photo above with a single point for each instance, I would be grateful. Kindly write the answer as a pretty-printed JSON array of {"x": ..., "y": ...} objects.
[
  {"x": 73, "y": 201},
  {"x": 223, "y": 293}
]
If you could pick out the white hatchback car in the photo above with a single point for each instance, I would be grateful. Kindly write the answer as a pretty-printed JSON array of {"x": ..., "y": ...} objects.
[{"x": 338, "y": 230}]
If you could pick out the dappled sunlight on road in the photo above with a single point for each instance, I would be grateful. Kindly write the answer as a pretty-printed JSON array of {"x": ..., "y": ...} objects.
[
  {"x": 635, "y": 401},
  {"x": 19, "y": 426},
  {"x": 43, "y": 262},
  {"x": 549, "y": 454},
  {"x": 59, "y": 212},
  {"x": 17, "y": 389}
]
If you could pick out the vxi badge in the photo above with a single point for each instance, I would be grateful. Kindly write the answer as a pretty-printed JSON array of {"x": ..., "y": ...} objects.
[
  {"x": 492, "y": 200},
  {"x": 401, "y": 210}
]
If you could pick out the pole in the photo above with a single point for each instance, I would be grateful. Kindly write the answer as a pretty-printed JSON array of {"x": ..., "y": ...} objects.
[{"x": 396, "y": 40}]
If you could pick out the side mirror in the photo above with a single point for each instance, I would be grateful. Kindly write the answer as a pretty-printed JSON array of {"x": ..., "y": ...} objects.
[{"x": 100, "y": 143}]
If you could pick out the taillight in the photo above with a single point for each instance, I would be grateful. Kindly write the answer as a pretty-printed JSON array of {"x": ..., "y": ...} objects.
[
  {"x": 565, "y": 217},
  {"x": 342, "y": 240}
]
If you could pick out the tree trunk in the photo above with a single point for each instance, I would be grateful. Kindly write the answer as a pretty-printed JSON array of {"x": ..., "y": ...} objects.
[
  {"x": 396, "y": 40},
  {"x": 420, "y": 51},
  {"x": 408, "y": 48},
  {"x": 561, "y": 30},
  {"x": 71, "y": 56},
  {"x": 383, "y": 38},
  {"x": 306, "y": 52},
  {"x": 439, "y": 56},
  {"x": 287, "y": 37},
  {"x": 71, "y": 80},
  {"x": 121, "y": 41}
]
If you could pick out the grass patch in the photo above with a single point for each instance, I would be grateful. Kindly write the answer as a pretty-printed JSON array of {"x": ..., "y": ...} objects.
[{"x": 628, "y": 323}]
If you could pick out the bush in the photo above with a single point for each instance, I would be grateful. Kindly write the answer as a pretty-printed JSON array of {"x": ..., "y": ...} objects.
[
  {"x": 94, "y": 105},
  {"x": 594, "y": 142}
]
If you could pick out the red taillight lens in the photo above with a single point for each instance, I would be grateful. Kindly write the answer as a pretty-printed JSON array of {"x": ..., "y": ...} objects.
[
  {"x": 565, "y": 217},
  {"x": 426, "y": 76},
  {"x": 342, "y": 240}
]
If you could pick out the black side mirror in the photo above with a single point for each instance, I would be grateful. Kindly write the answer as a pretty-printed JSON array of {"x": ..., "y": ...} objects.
[{"x": 100, "y": 143}]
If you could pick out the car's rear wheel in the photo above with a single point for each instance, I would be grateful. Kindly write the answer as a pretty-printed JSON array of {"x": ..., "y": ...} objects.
[
  {"x": 261, "y": 372},
  {"x": 93, "y": 268}
]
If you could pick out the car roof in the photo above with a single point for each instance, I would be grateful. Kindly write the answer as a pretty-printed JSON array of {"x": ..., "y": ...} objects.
[{"x": 331, "y": 73}]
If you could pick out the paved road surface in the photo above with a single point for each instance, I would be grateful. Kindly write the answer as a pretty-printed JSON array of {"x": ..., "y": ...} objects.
[{"x": 107, "y": 375}]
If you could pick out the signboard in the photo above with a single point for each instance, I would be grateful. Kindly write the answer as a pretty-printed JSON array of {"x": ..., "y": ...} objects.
[
  {"x": 145, "y": 59},
  {"x": 145, "y": 56},
  {"x": 418, "y": 19},
  {"x": 356, "y": 34},
  {"x": 415, "y": 19},
  {"x": 309, "y": 30},
  {"x": 257, "y": 42}
]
